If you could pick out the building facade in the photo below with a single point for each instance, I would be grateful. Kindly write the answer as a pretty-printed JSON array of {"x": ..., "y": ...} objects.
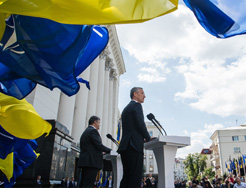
[
  {"x": 227, "y": 144},
  {"x": 150, "y": 165},
  {"x": 179, "y": 170},
  {"x": 208, "y": 153},
  {"x": 69, "y": 115}
]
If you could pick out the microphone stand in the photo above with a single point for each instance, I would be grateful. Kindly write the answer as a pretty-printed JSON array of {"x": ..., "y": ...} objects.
[
  {"x": 112, "y": 139},
  {"x": 161, "y": 127},
  {"x": 152, "y": 120}
]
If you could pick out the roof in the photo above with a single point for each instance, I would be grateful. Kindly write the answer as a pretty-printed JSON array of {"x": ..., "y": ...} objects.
[{"x": 206, "y": 151}]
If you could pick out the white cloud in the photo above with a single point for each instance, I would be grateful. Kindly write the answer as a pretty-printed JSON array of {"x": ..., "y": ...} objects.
[
  {"x": 217, "y": 89},
  {"x": 126, "y": 83},
  {"x": 213, "y": 69},
  {"x": 153, "y": 74},
  {"x": 199, "y": 139}
]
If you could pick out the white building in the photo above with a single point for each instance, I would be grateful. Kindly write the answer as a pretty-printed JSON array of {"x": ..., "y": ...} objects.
[
  {"x": 208, "y": 153},
  {"x": 149, "y": 157},
  {"x": 101, "y": 100},
  {"x": 179, "y": 170},
  {"x": 69, "y": 115},
  {"x": 227, "y": 143}
]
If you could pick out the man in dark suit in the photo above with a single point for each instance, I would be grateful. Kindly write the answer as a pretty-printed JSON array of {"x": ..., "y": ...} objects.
[
  {"x": 133, "y": 137},
  {"x": 72, "y": 183},
  {"x": 91, "y": 153}
]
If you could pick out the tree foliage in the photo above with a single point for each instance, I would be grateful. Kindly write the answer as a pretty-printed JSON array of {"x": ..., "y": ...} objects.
[
  {"x": 195, "y": 165},
  {"x": 209, "y": 172}
]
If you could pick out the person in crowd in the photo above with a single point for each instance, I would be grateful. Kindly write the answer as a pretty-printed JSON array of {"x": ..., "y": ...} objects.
[
  {"x": 195, "y": 180},
  {"x": 183, "y": 184},
  {"x": 91, "y": 153},
  {"x": 154, "y": 183},
  {"x": 194, "y": 185},
  {"x": 231, "y": 179},
  {"x": 227, "y": 184},
  {"x": 214, "y": 180},
  {"x": 239, "y": 176},
  {"x": 143, "y": 184},
  {"x": 134, "y": 134},
  {"x": 38, "y": 182},
  {"x": 149, "y": 181},
  {"x": 239, "y": 183},
  {"x": 189, "y": 184},
  {"x": 110, "y": 182},
  {"x": 72, "y": 183},
  {"x": 207, "y": 184},
  {"x": 63, "y": 182},
  {"x": 67, "y": 182}
]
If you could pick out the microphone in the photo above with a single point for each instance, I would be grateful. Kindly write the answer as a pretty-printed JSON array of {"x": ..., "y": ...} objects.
[
  {"x": 151, "y": 117},
  {"x": 109, "y": 136}
]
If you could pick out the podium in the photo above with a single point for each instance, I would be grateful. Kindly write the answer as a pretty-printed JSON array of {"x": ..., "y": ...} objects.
[
  {"x": 165, "y": 148},
  {"x": 115, "y": 159}
]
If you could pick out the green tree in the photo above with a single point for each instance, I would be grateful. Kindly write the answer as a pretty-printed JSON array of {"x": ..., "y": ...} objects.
[
  {"x": 195, "y": 165},
  {"x": 209, "y": 172}
]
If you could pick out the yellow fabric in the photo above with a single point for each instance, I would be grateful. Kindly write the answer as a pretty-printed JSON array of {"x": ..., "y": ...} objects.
[
  {"x": 20, "y": 119},
  {"x": 7, "y": 165},
  {"x": 3, "y": 16},
  {"x": 91, "y": 12}
]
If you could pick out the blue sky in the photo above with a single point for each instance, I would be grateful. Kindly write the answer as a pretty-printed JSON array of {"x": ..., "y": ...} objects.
[{"x": 194, "y": 83}]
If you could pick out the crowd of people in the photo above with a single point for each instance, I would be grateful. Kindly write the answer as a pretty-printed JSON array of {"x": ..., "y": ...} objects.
[
  {"x": 230, "y": 181},
  {"x": 67, "y": 183},
  {"x": 149, "y": 182}
]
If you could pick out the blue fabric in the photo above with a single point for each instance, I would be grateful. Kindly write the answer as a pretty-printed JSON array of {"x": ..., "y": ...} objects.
[
  {"x": 23, "y": 157},
  {"x": 118, "y": 132},
  {"x": 48, "y": 53},
  {"x": 9, "y": 143},
  {"x": 220, "y": 18},
  {"x": 105, "y": 182},
  {"x": 244, "y": 159},
  {"x": 84, "y": 81}
]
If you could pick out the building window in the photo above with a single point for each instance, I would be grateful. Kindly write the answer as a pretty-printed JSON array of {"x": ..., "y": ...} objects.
[
  {"x": 235, "y": 138},
  {"x": 151, "y": 169},
  {"x": 151, "y": 133},
  {"x": 144, "y": 156},
  {"x": 245, "y": 138},
  {"x": 237, "y": 150}
]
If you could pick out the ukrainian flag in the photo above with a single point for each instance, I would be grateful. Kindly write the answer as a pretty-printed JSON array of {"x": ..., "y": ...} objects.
[
  {"x": 92, "y": 12},
  {"x": 20, "y": 119},
  {"x": 100, "y": 180}
]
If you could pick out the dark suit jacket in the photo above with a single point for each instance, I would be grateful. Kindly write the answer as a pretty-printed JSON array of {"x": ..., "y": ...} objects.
[
  {"x": 134, "y": 128},
  {"x": 91, "y": 149}
]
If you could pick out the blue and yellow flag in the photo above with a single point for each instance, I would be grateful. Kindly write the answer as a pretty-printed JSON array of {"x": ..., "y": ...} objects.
[
  {"x": 7, "y": 165},
  {"x": 20, "y": 119},
  {"x": 52, "y": 54},
  {"x": 105, "y": 182},
  {"x": 100, "y": 180},
  {"x": 118, "y": 132},
  {"x": 9, "y": 143},
  {"x": 244, "y": 159},
  {"x": 92, "y": 12},
  {"x": 22, "y": 158},
  {"x": 220, "y": 18}
]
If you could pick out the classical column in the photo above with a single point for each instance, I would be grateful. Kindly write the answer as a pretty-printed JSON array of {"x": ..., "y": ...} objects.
[
  {"x": 79, "y": 121},
  {"x": 115, "y": 107},
  {"x": 100, "y": 87},
  {"x": 111, "y": 109},
  {"x": 92, "y": 95},
  {"x": 66, "y": 111},
  {"x": 108, "y": 66}
]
